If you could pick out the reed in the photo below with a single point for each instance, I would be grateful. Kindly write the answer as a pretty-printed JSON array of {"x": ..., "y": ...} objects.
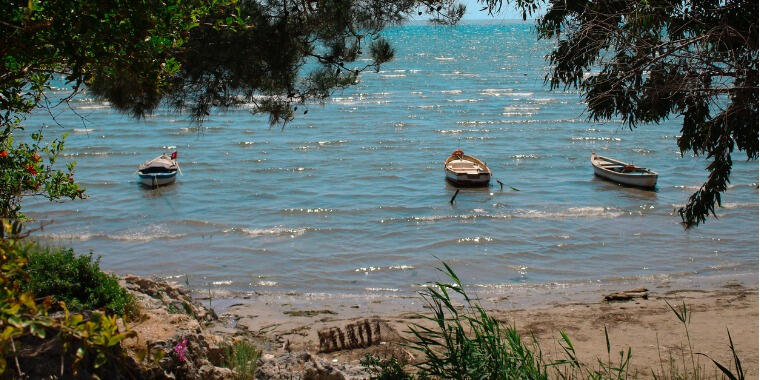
[{"x": 466, "y": 342}]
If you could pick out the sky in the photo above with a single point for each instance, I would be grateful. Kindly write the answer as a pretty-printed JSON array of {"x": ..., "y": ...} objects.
[{"x": 508, "y": 11}]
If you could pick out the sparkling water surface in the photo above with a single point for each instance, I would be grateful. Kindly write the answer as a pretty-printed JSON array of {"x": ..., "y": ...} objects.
[{"x": 351, "y": 197}]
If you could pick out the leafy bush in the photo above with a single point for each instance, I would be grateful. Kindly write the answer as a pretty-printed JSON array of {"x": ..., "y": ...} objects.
[
  {"x": 76, "y": 280},
  {"x": 31, "y": 170},
  {"x": 22, "y": 315}
]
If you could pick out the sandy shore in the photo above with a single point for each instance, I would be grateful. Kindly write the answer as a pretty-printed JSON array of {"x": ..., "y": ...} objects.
[{"x": 647, "y": 326}]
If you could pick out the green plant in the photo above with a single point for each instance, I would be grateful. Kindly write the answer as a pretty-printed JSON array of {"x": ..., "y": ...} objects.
[
  {"x": 77, "y": 280},
  {"x": 465, "y": 342},
  {"x": 241, "y": 357},
  {"x": 385, "y": 369},
  {"x": 468, "y": 343},
  {"x": 693, "y": 369},
  {"x": 28, "y": 170},
  {"x": 22, "y": 314}
]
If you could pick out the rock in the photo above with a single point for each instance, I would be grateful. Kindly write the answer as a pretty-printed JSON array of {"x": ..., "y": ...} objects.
[
  {"x": 171, "y": 320},
  {"x": 627, "y": 295},
  {"x": 304, "y": 366}
]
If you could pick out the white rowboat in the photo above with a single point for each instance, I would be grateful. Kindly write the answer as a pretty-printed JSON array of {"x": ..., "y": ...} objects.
[
  {"x": 463, "y": 170},
  {"x": 623, "y": 172},
  {"x": 159, "y": 171}
]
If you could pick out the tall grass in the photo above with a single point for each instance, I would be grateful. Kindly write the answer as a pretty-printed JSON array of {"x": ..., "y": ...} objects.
[
  {"x": 465, "y": 342},
  {"x": 241, "y": 357}
]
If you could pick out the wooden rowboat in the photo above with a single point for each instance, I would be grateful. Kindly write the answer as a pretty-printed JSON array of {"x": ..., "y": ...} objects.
[
  {"x": 159, "y": 171},
  {"x": 623, "y": 172},
  {"x": 466, "y": 171}
]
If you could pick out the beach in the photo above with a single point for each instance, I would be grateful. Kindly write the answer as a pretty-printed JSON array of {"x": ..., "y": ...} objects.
[{"x": 648, "y": 327}]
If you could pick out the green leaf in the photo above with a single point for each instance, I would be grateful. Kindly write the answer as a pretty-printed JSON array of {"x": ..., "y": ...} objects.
[{"x": 37, "y": 330}]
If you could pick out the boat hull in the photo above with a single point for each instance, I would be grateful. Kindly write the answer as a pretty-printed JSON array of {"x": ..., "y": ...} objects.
[
  {"x": 157, "y": 179},
  {"x": 644, "y": 181},
  {"x": 468, "y": 180},
  {"x": 638, "y": 176}
]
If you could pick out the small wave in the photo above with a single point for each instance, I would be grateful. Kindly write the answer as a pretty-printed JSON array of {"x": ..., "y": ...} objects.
[
  {"x": 274, "y": 231},
  {"x": 393, "y": 75},
  {"x": 459, "y": 131},
  {"x": 137, "y": 236},
  {"x": 476, "y": 239},
  {"x": 249, "y": 143},
  {"x": 281, "y": 170},
  {"x": 464, "y": 100},
  {"x": 444, "y": 58},
  {"x": 517, "y": 113},
  {"x": 219, "y": 283},
  {"x": 735, "y": 205},
  {"x": 521, "y": 108},
  {"x": 587, "y": 138},
  {"x": 460, "y": 74},
  {"x": 381, "y": 289},
  {"x": 391, "y": 268},
  {"x": 496, "y": 91},
  {"x": 134, "y": 236},
  {"x": 687, "y": 187},
  {"x": 549, "y": 101},
  {"x": 526, "y": 156},
  {"x": 266, "y": 283},
  {"x": 336, "y": 142},
  {"x": 451, "y": 92},
  {"x": 308, "y": 211},
  {"x": 572, "y": 212},
  {"x": 94, "y": 107},
  {"x": 83, "y": 130}
]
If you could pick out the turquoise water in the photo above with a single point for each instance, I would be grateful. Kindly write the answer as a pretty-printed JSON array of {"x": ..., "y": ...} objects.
[{"x": 351, "y": 197}]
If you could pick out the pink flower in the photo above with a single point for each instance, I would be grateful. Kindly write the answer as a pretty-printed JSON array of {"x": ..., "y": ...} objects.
[{"x": 180, "y": 348}]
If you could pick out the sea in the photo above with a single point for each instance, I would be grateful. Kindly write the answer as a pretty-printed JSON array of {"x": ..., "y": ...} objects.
[{"x": 350, "y": 198}]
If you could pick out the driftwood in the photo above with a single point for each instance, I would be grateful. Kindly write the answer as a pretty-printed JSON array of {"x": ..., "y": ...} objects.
[
  {"x": 360, "y": 334},
  {"x": 627, "y": 295}
]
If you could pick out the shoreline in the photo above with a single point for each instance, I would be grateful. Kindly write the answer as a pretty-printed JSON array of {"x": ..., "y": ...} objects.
[
  {"x": 519, "y": 295},
  {"x": 295, "y": 323}
]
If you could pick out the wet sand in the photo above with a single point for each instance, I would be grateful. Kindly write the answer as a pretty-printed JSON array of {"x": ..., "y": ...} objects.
[{"x": 647, "y": 326}]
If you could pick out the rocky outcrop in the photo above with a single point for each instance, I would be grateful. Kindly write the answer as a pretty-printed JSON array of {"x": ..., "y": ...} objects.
[
  {"x": 170, "y": 340},
  {"x": 305, "y": 366}
]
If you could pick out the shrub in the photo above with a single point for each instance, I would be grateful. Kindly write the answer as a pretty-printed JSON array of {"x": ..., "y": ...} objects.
[
  {"x": 76, "y": 280},
  {"x": 24, "y": 316}
]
